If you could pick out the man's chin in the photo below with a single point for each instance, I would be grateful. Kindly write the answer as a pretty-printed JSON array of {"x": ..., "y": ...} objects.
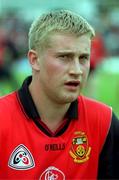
[{"x": 69, "y": 99}]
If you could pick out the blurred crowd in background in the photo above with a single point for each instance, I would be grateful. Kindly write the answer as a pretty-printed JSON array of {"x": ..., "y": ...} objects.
[{"x": 103, "y": 82}]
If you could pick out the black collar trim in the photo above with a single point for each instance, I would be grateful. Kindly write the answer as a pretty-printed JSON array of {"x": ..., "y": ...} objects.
[
  {"x": 27, "y": 101},
  {"x": 29, "y": 106},
  {"x": 30, "y": 110}
]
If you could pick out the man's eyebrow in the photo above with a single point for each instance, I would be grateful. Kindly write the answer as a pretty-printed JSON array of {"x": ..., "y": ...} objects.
[
  {"x": 85, "y": 54},
  {"x": 72, "y": 53},
  {"x": 68, "y": 53}
]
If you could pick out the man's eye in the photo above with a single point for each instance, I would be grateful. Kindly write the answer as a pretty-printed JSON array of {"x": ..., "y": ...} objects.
[
  {"x": 83, "y": 59},
  {"x": 64, "y": 57}
]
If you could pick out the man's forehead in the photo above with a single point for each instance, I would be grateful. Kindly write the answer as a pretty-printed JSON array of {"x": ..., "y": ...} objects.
[{"x": 65, "y": 42}]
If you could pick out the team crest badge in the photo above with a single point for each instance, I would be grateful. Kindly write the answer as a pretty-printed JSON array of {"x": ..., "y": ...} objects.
[
  {"x": 80, "y": 150},
  {"x": 21, "y": 158}
]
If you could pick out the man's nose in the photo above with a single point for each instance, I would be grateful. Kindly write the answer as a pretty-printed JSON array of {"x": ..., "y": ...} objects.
[{"x": 76, "y": 68}]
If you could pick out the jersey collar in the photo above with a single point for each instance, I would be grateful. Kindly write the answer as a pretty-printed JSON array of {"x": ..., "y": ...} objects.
[{"x": 29, "y": 106}]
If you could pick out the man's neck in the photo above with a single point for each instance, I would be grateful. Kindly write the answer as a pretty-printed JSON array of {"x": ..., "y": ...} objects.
[{"x": 51, "y": 114}]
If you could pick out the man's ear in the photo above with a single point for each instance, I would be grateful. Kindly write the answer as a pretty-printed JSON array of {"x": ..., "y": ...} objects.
[{"x": 33, "y": 59}]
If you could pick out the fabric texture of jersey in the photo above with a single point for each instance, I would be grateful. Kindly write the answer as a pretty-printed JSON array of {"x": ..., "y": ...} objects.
[{"x": 27, "y": 152}]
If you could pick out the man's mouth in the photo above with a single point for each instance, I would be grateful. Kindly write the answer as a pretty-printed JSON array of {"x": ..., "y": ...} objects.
[{"x": 72, "y": 84}]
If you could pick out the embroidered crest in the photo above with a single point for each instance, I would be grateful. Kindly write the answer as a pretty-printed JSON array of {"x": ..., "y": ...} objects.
[
  {"x": 21, "y": 158},
  {"x": 80, "y": 149},
  {"x": 52, "y": 173}
]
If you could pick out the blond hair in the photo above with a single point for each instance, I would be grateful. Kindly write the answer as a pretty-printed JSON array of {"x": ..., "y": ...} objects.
[{"x": 57, "y": 21}]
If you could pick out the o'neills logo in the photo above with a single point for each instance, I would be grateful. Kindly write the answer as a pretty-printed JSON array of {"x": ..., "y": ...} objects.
[{"x": 80, "y": 149}]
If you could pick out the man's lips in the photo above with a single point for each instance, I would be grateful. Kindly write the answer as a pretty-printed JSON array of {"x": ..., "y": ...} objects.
[{"x": 72, "y": 83}]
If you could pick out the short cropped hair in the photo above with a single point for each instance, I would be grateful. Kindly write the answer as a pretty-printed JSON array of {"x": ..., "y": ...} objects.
[{"x": 57, "y": 21}]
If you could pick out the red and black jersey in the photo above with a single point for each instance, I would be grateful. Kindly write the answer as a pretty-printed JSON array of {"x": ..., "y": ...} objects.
[{"x": 29, "y": 150}]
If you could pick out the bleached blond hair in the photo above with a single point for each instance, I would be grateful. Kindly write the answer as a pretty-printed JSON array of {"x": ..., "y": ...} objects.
[{"x": 57, "y": 21}]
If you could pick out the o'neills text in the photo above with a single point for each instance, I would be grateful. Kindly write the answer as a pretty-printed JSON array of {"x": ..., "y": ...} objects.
[{"x": 54, "y": 147}]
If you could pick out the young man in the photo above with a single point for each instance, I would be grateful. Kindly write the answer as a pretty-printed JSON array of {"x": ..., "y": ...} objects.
[{"x": 48, "y": 130}]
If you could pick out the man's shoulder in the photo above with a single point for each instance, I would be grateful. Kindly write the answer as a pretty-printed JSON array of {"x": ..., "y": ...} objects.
[
  {"x": 90, "y": 101},
  {"x": 9, "y": 108},
  {"x": 7, "y": 101},
  {"x": 94, "y": 106}
]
